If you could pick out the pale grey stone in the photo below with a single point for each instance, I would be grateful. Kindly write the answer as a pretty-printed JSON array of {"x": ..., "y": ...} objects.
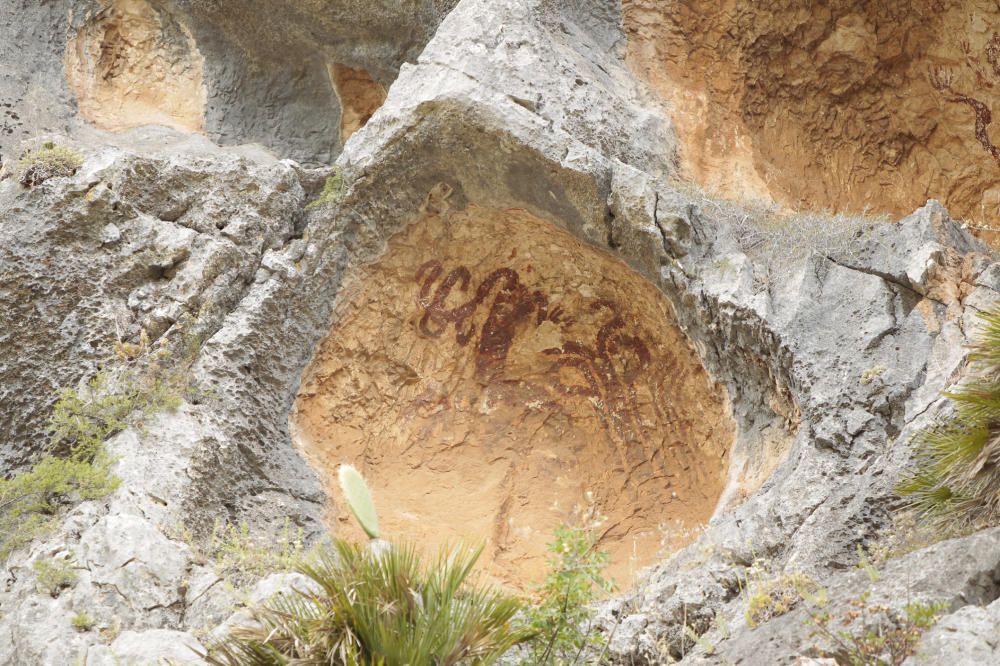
[{"x": 148, "y": 648}]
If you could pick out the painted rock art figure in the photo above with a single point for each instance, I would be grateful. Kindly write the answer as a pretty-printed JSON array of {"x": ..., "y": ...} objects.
[
  {"x": 497, "y": 377},
  {"x": 942, "y": 81},
  {"x": 609, "y": 369},
  {"x": 606, "y": 371},
  {"x": 512, "y": 306}
]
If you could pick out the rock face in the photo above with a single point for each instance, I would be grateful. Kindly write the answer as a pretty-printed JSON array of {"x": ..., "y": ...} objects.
[
  {"x": 513, "y": 298},
  {"x": 202, "y": 66},
  {"x": 517, "y": 379},
  {"x": 849, "y": 106},
  {"x": 131, "y": 65}
]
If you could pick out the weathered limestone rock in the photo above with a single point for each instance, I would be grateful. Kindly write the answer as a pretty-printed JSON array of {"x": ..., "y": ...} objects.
[
  {"x": 967, "y": 637},
  {"x": 149, "y": 647},
  {"x": 202, "y": 66},
  {"x": 129, "y": 242},
  {"x": 510, "y": 125},
  {"x": 973, "y": 577},
  {"x": 850, "y": 106}
]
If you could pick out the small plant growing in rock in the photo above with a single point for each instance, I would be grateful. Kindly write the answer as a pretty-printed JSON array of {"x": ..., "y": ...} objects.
[
  {"x": 772, "y": 597},
  {"x": 955, "y": 481},
  {"x": 29, "y": 500},
  {"x": 77, "y": 466},
  {"x": 243, "y": 560},
  {"x": 53, "y": 576},
  {"x": 379, "y": 606},
  {"x": 49, "y": 161},
  {"x": 333, "y": 190},
  {"x": 146, "y": 381},
  {"x": 871, "y": 374},
  {"x": 563, "y": 619},
  {"x": 82, "y": 622},
  {"x": 873, "y": 634}
]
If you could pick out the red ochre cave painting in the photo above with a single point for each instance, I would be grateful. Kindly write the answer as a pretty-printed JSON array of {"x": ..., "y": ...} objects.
[
  {"x": 942, "y": 80},
  {"x": 604, "y": 373}
]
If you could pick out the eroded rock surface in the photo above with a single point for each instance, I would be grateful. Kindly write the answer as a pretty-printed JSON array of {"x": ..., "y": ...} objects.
[
  {"x": 848, "y": 106},
  {"x": 530, "y": 115},
  {"x": 203, "y": 66},
  {"x": 131, "y": 65},
  {"x": 494, "y": 378}
]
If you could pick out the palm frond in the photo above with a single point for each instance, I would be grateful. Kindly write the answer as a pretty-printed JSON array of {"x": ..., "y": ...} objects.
[
  {"x": 955, "y": 480},
  {"x": 380, "y": 607}
]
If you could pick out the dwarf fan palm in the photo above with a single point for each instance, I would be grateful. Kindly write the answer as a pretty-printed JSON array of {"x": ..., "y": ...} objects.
[
  {"x": 379, "y": 608},
  {"x": 956, "y": 479}
]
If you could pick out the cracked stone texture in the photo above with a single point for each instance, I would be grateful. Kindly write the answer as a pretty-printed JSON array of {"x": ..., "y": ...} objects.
[
  {"x": 973, "y": 566},
  {"x": 128, "y": 242},
  {"x": 852, "y": 105},
  {"x": 522, "y": 104},
  {"x": 266, "y": 80}
]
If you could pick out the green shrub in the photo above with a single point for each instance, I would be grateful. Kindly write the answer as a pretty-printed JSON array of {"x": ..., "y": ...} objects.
[
  {"x": 379, "y": 606},
  {"x": 563, "y": 618},
  {"x": 29, "y": 500},
  {"x": 51, "y": 160},
  {"x": 955, "y": 482},
  {"x": 333, "y": 190},
  {"x": 147, "y": 381},
  {"x": 82, "y": 622},
  {"x": 77, "y": 466},
  {"x": 53, "y": 576}
]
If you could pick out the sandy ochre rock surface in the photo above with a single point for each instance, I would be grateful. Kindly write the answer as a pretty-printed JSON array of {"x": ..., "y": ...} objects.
[
  {"x": 491, "y": 375},
  {"x": 521, "y": 262}
]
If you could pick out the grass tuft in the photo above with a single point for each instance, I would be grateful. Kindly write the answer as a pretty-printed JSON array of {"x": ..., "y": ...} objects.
[{"x": 51, "y": 160}]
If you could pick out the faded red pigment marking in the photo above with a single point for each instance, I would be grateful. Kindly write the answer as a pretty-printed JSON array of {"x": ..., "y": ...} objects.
[
  {"x": 608, "y": 369},
  {"x": 941, "y": 80}
]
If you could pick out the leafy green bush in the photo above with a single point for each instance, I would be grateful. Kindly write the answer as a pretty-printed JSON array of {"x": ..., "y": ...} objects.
[
  {"x": 147, "y": 381},
  {"x": 52, "y": 576},
  {"x": 77, "y": 466},
  {"x": 955, "y": 482},
  {"x": 51, "y": 160},
  {"x": 379, "y": 606},
  {"x": 563, "y": 619},
  {"x": 29, "y": 500}
]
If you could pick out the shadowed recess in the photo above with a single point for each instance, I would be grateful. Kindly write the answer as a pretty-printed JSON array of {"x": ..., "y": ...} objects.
[{"x": 493, "y": 377}]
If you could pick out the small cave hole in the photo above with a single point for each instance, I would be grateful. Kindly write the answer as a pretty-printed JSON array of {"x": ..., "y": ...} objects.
[{"x": 360, "y": 97}]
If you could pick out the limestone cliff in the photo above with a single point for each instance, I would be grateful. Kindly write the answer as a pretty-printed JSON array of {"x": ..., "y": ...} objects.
[{"x": 515, "y": 309}]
